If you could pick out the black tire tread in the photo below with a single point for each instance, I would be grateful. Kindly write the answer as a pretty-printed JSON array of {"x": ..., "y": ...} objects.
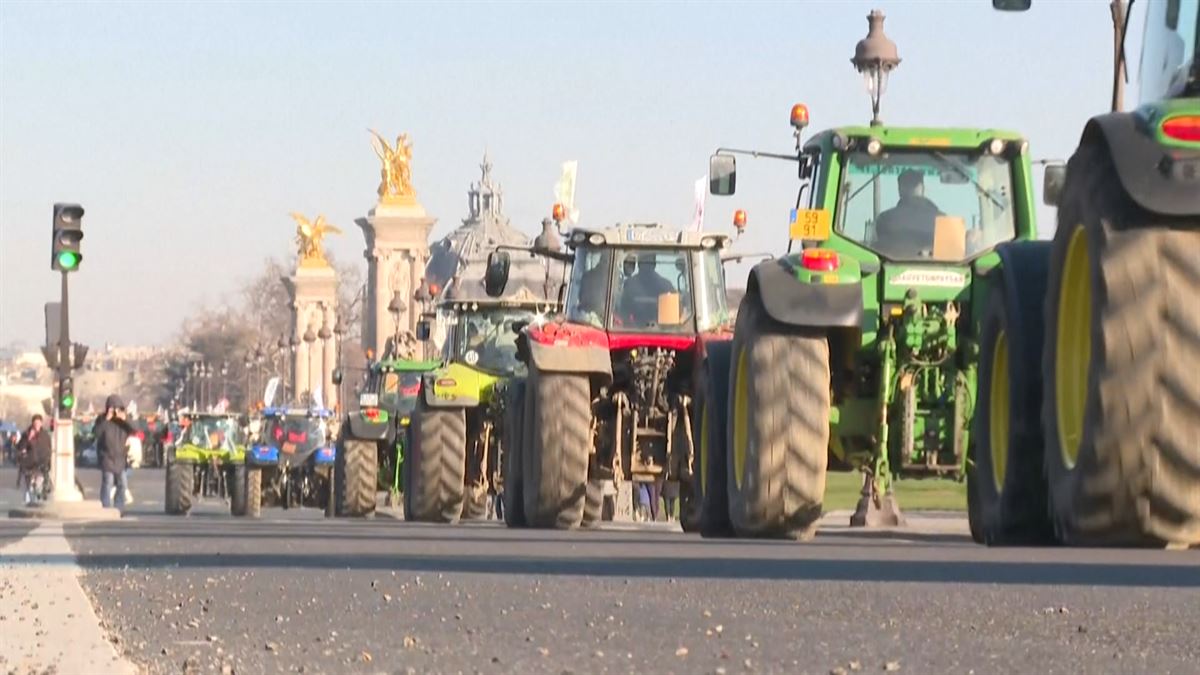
[
  {"x": 356, "y": 477},
  {"x": 180, "y": 479},
  {"x": 789, "y": 405},
  {"x": 557, "y": 445},
  {"x": 1137, "y": 479},
  {"x": 435, "y": 474}
]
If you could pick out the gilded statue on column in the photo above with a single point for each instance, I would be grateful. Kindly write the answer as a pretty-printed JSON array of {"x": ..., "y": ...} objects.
[
  {"x": 395, "y": 175},
  {"x": 308, "y": 238}
]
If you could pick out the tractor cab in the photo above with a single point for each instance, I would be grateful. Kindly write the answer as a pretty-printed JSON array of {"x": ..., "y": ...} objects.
[
  {"x": 482, "y": 333},
  {"x": 291, "y": 436},
  {"x": 644, "y": 278}
]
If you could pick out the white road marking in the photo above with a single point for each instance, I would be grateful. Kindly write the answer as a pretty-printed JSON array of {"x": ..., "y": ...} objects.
[{"x": 45, "y": 617}]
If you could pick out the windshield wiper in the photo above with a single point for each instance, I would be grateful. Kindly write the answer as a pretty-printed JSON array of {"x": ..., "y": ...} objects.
[{"x": 962, "y": 169}]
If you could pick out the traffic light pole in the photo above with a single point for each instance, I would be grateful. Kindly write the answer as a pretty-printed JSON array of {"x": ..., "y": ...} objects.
[{"x": 63, "y": 466}]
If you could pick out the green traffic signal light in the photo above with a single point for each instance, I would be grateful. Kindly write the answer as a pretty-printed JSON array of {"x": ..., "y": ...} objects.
[
  {"x": 68, "y": 260},
  {"x": 68, "y": 401}
]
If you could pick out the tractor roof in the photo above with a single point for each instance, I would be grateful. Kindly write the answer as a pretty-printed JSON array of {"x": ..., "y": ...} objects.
[
  {"x": 296, "y": 412},
  {"x": 406, "y": 366},
  {"x": 919, "y": 137},
  {"x": 522, "y": 299},
  {"x": 648, "y": 235}
]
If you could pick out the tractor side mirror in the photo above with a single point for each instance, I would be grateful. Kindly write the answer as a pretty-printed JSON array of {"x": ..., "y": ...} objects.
[
  {"x": 722, "y": 175},
  {"x": 518, "y": 326},
  {"x": 337, "y": 376},
  {"x": 1052, "y": 183},
  {"x": 496, "y": 276},
  {"x": 1012, "y": 5},
  {"x": 423, "y": 330}
]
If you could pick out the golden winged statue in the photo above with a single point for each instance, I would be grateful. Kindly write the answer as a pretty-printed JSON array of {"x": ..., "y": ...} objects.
[
  {"x": 309, "y": 236},
  {"x": 395, "y": 176}
]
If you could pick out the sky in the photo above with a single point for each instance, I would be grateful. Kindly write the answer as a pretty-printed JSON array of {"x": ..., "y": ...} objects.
[{"x": 189, "y": 131}]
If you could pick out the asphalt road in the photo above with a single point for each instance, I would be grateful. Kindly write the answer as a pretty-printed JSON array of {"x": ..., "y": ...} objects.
[{"x": 294, "y": 592}]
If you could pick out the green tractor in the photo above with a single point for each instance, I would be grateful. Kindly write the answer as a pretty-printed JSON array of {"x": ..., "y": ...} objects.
[
  {"x": 207, "y": 460},
  {"x": 370, "y": 453},
  {"x": 1088, "y": 429},
  {"x": 858, "y": 350},
  {"x": 457, "y": 431}
]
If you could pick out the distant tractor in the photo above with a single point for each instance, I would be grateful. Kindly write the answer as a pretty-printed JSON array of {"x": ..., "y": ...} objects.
[
  {"x": 456, "y": 434},
  {"x": 607, "y": 402},
  {"x": 371, "y": 441},
  {"x": 1089, "y": 404},
  {"x": 288, "y": 465},
  {"x": 207, "y": 459}
]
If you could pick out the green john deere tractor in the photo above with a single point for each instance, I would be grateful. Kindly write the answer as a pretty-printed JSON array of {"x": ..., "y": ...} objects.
[
  {"x": 857, "y": 349},
  {"x": 457, "y": 430},
  {"x": 370, "y": 453},
  {"x": 1088, "y": 429}
]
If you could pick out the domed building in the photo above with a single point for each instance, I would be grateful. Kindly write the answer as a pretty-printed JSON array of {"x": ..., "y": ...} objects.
[{"x": 457, "y": 262}]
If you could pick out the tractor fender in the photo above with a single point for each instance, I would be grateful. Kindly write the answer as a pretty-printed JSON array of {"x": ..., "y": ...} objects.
[
  {"x": 362, "y": 428},
  {"x": 571, "y": 359},
  {"x": 796, "y": 303},
  {"x": 1023, "y": 276},
  {"x": 1144, "y": 166}
]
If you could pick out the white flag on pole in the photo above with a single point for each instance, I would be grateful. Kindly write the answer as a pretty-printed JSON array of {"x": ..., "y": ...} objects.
[
  {"x": 698, "y": 213},
  {"x": 269, "y": 394},
  {"x": 564, "y": 190},
  {"x": 317, "y": 403}
]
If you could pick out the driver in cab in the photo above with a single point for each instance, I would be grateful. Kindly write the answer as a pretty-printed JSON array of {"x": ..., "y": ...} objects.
[
  {"x": 639, "y": 297},
  {"x": 906, "y": 229}
]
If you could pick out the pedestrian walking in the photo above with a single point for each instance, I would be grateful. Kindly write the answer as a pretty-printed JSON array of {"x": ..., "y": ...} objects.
[
  {"x": 34, "y": 459},
  {"x": 111, "y": 433}
]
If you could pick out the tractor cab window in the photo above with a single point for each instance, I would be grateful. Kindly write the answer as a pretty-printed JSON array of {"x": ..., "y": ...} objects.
[
  {"x": 652, "y": 290},
  {"x": 399, "y": 391},
  {"x": 587, "y": 294},
  {"x": 712, "y": 307},
  {"x": 293, "y": 433},
  {"x": 947, "y": 205},
  {"x": 213, "y": 433},
  {"x": 486, "y": 339}
]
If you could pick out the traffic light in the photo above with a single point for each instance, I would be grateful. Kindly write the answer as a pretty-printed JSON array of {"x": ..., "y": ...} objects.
[
  {"x": 68, "y": 231},
  {"x": 66, "y": 393}
]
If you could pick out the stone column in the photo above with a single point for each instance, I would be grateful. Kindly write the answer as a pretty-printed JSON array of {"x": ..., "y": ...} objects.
[
  {"x": 397, "y": 249},
  {"x": 313, "y": 293}
]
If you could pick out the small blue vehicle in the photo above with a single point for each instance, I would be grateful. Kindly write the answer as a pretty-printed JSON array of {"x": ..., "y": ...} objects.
[{"x": 289, "y": 462}]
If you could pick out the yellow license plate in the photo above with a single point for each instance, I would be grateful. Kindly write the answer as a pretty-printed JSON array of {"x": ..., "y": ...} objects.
[{"x": 811, "y": 225}]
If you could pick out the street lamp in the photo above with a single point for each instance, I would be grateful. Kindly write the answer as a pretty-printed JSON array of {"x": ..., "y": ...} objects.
[
  {"x": 290, "y": 376},
  {"x": 195, "y": 383},
  {"x": 248, "y": 363},
  {"x": 324, "y": 334},
  {"x": 339, "y": 329},
  {"x": 875, "y": 56},
  {"x": 224, "y": 379},
  {"x": 310, "y": 336}
]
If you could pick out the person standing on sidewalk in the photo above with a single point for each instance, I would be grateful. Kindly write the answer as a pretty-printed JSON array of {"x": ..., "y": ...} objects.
[
  {"x": 35, "y": 455},
  {"x": 111, "y": 432}
]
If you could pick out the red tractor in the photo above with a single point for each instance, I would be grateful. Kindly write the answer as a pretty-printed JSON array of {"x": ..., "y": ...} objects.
[{"x": 608, "y": 399}]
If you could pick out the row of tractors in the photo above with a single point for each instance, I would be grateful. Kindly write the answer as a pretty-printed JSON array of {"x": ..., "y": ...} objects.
[{"x": 915, "y": 328}]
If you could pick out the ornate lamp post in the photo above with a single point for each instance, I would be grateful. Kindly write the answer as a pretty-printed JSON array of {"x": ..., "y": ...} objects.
[
  {"x": 324, "y": 334},
  {"x": 396, "y": 307},
  {"x": 247, "y": 364},
  {"x": 195, "y": 383},
  {"x": 339, "y": 330},
  {"x": 290, "y": 375},
  {"x": 875, "y": 56},
  {"x": 310, "y": 336}
]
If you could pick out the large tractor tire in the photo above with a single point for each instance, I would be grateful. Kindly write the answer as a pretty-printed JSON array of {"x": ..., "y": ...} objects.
[
  {"x": 355, "y": 477},
  {"x": 254, "y": 497},
  {"x": 558, "y": 444},
  {"x": 237, "y": 489},
  {"x": 1119, "y": 366},
  {"x": 514, "y": 442},
  {"x": 711, "y": 428},
  {"x": 435, "y": 466},
  {"x": 180, "y": 481},
  {"x": 778, "y": 441},
  {"x": 1006, "y": 488}
]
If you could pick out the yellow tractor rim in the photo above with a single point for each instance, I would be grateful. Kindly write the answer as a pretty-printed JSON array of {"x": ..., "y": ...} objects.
[
  {"x": 741, "y": 414},
  {"x": 703, "y": 446},
  {"x": 1073, "y": 347},
  {"x": 998, "y": 399}
]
